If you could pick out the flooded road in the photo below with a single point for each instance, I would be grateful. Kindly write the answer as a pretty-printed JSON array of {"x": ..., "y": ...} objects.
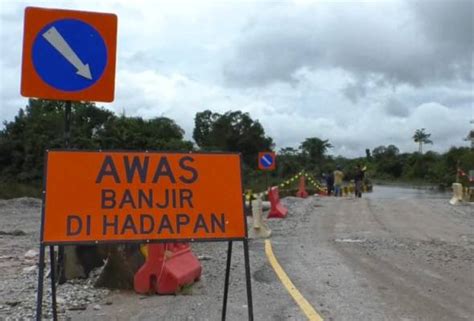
[{"x": 408, "y": 193}]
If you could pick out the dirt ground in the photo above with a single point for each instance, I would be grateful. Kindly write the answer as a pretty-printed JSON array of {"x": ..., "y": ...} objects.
[{"x": 352, "y": 259}]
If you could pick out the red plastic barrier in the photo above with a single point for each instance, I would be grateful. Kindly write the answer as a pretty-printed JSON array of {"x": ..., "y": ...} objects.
[
  {"x": 277, "y": 209},
  {"x": 169, "y": 266},
  {"x": 302, "y": 188}
]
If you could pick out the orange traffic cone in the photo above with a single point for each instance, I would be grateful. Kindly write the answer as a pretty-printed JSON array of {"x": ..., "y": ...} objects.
[{"x": 302, "y": 188}]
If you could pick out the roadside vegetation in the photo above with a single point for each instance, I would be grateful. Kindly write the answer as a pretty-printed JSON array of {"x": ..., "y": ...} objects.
[{"x": 40, "y": 126}]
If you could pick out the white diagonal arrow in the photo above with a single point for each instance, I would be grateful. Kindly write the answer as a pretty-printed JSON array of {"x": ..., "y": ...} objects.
[
  {"x": 267, "y": 159},
  {"x": 53, "y": 36}
]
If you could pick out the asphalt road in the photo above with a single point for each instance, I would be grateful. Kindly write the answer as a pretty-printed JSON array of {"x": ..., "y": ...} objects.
[
  {"x": 352, "y": 259},
  {"x": 384, "y": 259},
  {"x": 375, "y": 258}
]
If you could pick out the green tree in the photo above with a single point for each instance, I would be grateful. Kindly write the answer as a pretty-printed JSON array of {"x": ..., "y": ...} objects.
[
  {"x": 421, "y": 138},
  {"x": 313, "y": 150},
  {"x": 457, "y": 156},
  {"x": 203, "y": 127},
  {"x": 422, "y": 166},
  {"x": 136, "y": 133},
  {"x": 368, "y": 156},
  {"x": 387, "y": 161},
  {"x": 87, "y": 121},
  {"x": 40, "y": 126},
  {"x": 289, "y": 162},
  {"x": 233, "y": 131},
  {"x": 37, "y": 127}
]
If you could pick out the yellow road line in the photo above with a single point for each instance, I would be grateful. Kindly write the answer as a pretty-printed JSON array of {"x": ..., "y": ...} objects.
[{"x": 308, "y": 310}]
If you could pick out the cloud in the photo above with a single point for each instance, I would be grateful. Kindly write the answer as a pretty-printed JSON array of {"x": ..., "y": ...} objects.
[
  {"x": 361, "y": 74},
  {"x": 447, "y": 21},
  {"x": 396, "y": 108},
  {"x": 416, "y": 43}
]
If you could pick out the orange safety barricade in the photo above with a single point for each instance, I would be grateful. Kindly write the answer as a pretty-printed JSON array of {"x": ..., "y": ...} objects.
[
  {"x": 302, "y": 188},
  {"x": 169, "y": 267},
  {"x": 277, "y": 210}
]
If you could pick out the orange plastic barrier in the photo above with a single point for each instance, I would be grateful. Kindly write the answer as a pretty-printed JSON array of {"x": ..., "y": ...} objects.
[
  {"x": 277, "y": 210},
  {"x": 169, "y": 267},
  {"x": 302, "y": 188}
]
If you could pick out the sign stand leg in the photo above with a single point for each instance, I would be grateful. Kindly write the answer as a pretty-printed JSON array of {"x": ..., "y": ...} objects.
[
  {"x": 67, "y": 135},
  {"x": 248, "y": 279},
  {"x": 53, "y": 283},
  {"x": 226, "y": 282},
  {"x": 39, "y": 295}
]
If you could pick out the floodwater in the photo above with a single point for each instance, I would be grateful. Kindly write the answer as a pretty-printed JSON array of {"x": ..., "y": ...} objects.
[{"x": 399, "y": 192}]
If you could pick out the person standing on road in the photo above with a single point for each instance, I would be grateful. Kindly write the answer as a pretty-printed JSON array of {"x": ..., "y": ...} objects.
[
  {"x": 330, "y": 182},
  {"x": 338, "y": 176},
  {"x": 359, "y": 177}
]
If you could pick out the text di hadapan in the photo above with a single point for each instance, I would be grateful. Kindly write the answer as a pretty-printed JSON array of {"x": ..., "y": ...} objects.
[{"x": 157, "y": 209}]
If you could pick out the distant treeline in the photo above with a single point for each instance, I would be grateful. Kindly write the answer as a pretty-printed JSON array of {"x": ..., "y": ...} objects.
[
  {"x": 40, "y": 126},
  {"x": 387, "y": 162}
]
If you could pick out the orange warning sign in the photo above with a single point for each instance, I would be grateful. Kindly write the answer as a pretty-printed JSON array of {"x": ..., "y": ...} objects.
[
  {"x": 69, "y": 55},
  {"x": 126, "y": 196}
]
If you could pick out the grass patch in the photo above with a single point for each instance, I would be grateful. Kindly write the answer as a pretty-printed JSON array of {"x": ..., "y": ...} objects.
[
  {"x": 186, "y": 289},
  {"x": 9, "y": 190}
]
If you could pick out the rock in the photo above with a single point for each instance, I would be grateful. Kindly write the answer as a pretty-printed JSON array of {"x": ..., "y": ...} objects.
[
  {"x": 123, "y": 262},
  {"x": 97, "y": 307},
  {"x": 12, "y": 303},
  {"x": 204, "y": 258},
  {"x": 31, "y": 254},
  {"x": 29, "y": 269},
  {"x": 72, "y": 268},
  {"x": 13, "y": 233},
  {"x": 78, "y": 307}
]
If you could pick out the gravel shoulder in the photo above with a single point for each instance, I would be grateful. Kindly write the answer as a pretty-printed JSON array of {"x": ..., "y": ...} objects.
[{"x": 352, "y": 259}]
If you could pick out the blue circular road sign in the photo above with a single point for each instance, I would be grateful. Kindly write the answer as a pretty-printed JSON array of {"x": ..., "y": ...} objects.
[
  {"x": 69, "y": 55},
  {"x": 266, "y": 160}
]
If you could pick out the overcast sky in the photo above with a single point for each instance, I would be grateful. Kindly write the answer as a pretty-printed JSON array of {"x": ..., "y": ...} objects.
[{"x": 359, "y": 73}]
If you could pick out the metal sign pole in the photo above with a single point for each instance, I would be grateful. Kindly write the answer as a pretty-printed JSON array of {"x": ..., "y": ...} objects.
[
  {"x": 53, "y": 283},
  {"x": 226, "y": 282},
  {"x": 67, "y": 138},
  {"x": 39, "y": 294},
  {"x": 248, "y": 279},
  {"x": 39, "y": 297}
]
